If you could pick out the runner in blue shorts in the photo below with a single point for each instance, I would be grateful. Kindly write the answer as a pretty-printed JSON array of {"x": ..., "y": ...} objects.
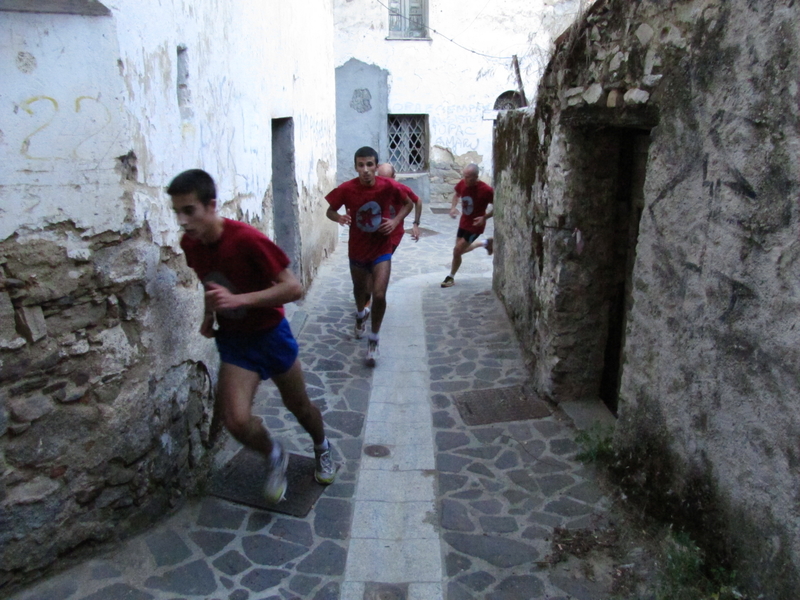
[{"x": 247, "y": 282}]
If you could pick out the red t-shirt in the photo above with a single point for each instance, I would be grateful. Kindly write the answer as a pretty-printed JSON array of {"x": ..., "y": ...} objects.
[
  {"x": 243, "y": 260},
  {"x": 474, "y": 200},
  {"x": 397, "y": 234},
  {"x": 368, "y": 207}
]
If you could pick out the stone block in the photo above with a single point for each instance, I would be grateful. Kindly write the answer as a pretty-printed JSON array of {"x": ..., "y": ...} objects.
[
  {"x": 31, "y": 323},
  {"x": 636, "y": 96},
  {"x": 27, "y": 410},
  {"x": 32, "y": 491},
  {"x": 593, "y": 93},
  {"x": 9, "y": 339},
  {"x": 614, "y": 99},
  {"x": 75, "y": 317},
  {"x": 644, "y": 33}
]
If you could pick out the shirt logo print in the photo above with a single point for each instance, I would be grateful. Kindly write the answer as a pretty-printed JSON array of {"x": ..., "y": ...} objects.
[
  {"x": 467, "y": 204},
  {"x": 368, "y": 217}
]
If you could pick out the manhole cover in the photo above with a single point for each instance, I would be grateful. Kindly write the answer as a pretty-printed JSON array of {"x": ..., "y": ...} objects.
[
  {"x": 481, "y": 407},
  {"x": 376, "y": 451},
  {"x": 385, "y": 591},
  {"x": 241, "y": 480},
  {"x": 440, "y": 211}
]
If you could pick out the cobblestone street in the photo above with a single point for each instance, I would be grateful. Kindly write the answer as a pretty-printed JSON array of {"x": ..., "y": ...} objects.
[{"x": 451, "y": 511}]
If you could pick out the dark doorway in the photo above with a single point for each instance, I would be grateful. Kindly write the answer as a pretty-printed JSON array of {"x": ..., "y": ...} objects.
[
  {"x": 628, "y": 202},
  {"x": 285, "y": 211}
]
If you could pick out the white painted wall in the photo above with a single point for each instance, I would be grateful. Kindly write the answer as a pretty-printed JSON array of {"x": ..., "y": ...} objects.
[
  {"x": 79, "y": 91},
  {"x": 455, "y": 87},
  {"x": 91, "y": 279}
]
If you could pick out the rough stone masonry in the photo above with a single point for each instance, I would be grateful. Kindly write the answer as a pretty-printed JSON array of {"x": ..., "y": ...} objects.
[{"x": 647, "y": 251}]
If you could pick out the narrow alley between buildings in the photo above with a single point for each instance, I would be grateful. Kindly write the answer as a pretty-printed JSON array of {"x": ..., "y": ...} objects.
[{"x": 425, "y": 507}]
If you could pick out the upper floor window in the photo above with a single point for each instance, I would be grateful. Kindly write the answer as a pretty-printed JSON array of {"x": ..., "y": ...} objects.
[
  {"x": 408, "y": 19},
  {"x": 90, "y": 8}
]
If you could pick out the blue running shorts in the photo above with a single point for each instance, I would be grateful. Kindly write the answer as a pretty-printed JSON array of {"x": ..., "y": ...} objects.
[
  {"x": 367, "y": 266},
  {"x": 269, "y": 352}
]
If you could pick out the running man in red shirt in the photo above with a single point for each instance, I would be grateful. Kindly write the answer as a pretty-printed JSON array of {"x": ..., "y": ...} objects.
[
  {"x": 247, "y": 282},
  {"x": 367, "y": 200},
  {"x": 476, "y": 199}
]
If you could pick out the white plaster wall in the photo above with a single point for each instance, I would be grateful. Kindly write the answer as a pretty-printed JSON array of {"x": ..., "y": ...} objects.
[
  {"x": 106, "y": 309},
  {"x": 455, "y": 87},
  {"x": 97, "y": 87}
]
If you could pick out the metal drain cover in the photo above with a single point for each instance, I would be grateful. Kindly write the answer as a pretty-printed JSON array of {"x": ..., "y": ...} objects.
[
  {"x": 481, "y": 407},
  {"x": 376, "y": 451},
  {"x": 385, "y": 591}
]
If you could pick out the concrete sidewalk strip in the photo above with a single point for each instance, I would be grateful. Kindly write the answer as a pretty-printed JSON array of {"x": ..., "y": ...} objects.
[
  {"x": 415, "y": 410},
  {"x": 395, "y": 486},
  {"x": 394, "y": 521},
  {"x": 399, "y": 434},
  {"x": 392, "y": 561},
  {"x": 403, "y": 458},
  {"x": 415, "y": 391}
]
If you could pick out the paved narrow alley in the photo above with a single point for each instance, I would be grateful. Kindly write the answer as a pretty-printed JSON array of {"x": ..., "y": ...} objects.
[{"x": 451, "y": 511}]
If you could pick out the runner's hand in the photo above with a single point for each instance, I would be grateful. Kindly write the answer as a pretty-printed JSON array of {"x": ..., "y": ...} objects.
[
  {"x": 454, "y": 212},
  {"x": 207, "y": 326},
  {"x": 388, "y": 226},
  {"x": 479, "y": 221},
  {"x": 415, "y": 232},
  {"x": 219, "y": 297}
]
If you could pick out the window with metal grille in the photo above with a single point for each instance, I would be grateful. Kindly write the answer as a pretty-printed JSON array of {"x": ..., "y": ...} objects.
[
  {"x": 408, "y": 19},
  {"x": 408, "y": 143}
]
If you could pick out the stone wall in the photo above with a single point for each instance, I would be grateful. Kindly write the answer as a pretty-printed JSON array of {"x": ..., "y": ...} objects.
[
  {"x": 106, "y": 387},
  {"x": 709, "y": 418}
]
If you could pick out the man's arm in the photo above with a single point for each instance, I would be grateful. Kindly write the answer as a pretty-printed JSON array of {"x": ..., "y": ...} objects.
[
  {"x": 286, "y": 289},
  {"x": 338, "y": 218},
  {"x": 389, "y": 225},
  {"x": 417, "y": 215},
  {"x": 453, "y": 211},
  {"x": 489, "y": 214}
]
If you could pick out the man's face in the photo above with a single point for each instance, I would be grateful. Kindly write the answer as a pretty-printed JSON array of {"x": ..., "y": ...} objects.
[
  {"x": 470, "y": 176},
  {"x": 366, "y": 167},
  {"x": 195, "y": 218},
  {"x": 385, "y": 170}
]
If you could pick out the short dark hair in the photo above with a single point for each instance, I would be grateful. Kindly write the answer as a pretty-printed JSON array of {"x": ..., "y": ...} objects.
[
  {"x": 194, "y": 180},
  {"x": 364, "y": 152}
]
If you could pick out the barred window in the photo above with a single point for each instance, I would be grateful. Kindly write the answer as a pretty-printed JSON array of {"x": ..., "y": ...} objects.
[
  {"x": 408, "y": 19},
  {"x": 408, "y": 143}
]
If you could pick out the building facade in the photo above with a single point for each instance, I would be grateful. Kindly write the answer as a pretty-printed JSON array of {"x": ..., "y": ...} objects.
[
  {"x": 422, "y": 81},
  {"x": 105, "y": 384}
]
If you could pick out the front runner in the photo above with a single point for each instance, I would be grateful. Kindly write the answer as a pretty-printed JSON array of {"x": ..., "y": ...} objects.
[
  {"x": 247, "y": 283},
  {"x": 367, "y": 200}
]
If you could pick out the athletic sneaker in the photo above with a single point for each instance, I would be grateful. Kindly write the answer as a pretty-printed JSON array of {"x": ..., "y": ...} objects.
[
  {"x": 325, "y": 471},
  {"x": 372, "y": 352},
  {"x": 490, "y": 246},
  {"x": 275, "y": 485},
  {"x": 448, "y": 282},
  {"x": 361, "y": 325}
]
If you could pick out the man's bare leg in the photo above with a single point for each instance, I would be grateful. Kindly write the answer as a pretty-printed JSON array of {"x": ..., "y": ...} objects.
[
  {"x": 380, "y": 281},
  {"x": 459, "y": 249},
  {"x": 236, "y": 389},
  {"x": 292, "y": 387},
  {"x": 361, "y": 285}
]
